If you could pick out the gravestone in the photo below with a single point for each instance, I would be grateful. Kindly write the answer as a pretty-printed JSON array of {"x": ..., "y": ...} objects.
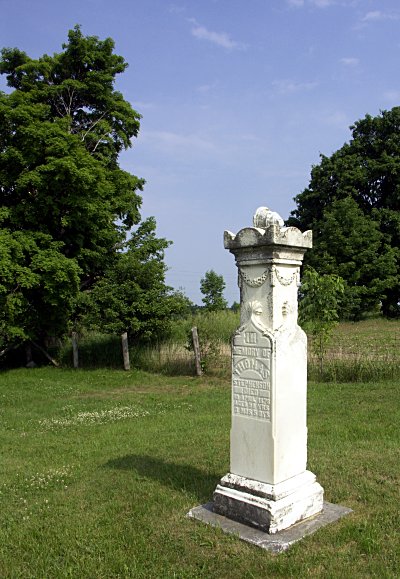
[{"x": 268, "y": 486}]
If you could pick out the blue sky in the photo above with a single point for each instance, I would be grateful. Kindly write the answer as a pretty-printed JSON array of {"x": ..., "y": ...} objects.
[{"x": 238, "y": 97}]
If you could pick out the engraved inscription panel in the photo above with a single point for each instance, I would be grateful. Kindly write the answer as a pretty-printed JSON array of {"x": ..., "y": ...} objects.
[{"x": 251, "y": 375}]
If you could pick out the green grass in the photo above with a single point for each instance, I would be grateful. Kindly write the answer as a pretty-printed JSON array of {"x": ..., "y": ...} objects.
[{"x": 100, "y": 467}]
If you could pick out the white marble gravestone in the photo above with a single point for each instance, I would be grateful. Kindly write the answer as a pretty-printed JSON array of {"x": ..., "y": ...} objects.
[{"x": 268, "y": 485}]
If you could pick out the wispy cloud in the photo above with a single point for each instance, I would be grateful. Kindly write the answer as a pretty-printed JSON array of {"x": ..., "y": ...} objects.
[
  {"x": 350, "y": 61},
  {"x": 206, "y": 88},
  {"x": 335, "y": 119},
  {"x": 320, "y": 3},
  {"x": 392, "y": 96},
  {"x": 171, "y": 142},
  {"x": 379, "y": 15},
  {"x": 221, "y": 39},
  {"x": 316, "y": 3},
  {"x": 374, "y": 17},
  {"x": 296, "y": 3},
  {"x": 144, "y": 105},
  {"x": 176, "y": 9},
  {"x": 287, "y": 86}
]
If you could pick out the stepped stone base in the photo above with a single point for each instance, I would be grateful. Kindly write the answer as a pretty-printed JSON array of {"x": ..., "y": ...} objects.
[
  {"x": 278, "y": 542},
  {"x": 270, "y": 508}
]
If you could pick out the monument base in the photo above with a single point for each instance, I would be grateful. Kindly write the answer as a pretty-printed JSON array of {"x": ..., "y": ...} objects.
[
  {"x": 270, "y": 508},
  {"x": 278, "y": 542}
]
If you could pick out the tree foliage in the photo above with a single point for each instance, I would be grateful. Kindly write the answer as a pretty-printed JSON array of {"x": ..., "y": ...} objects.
[
  {"x": 352, "y": 204},
  {"x": 132, "y": 295},
  {"x": 212, "y": 287},
  {"x": 66, "y": 207},
  {"x": 320, "y": 301},
  {"x": 38, "y": 285}
]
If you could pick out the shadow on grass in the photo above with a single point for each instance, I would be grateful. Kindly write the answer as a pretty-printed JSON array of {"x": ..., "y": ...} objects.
[{"x": 181, "y": 477}]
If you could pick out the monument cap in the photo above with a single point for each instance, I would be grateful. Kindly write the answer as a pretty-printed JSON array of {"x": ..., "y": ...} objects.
[{"x": 268, "y": 229}]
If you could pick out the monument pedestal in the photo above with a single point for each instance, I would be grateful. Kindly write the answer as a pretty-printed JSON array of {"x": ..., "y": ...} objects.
[{"x": 270, "y": 508}]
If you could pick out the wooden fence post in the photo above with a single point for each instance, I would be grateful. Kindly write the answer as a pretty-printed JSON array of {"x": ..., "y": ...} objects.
[
  {"x": 196, "y": 348},
  {"x": 75, "y": 353},
  {"x": 125, "y": 351}
]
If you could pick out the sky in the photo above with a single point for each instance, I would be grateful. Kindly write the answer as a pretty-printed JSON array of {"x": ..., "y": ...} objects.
[{"x": 238, "y": 100}]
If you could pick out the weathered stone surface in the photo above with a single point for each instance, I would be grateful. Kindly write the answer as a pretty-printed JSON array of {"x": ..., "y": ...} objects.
[
  {"x": 277, "y": 542},
  {"x": 267, "y": 491},
  {"x": 269, "y": 508},
  {"x": 268, "y": 230}
]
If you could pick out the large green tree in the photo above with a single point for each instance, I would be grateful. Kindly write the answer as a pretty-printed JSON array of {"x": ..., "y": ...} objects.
[
  {"x": 66, "y": 206},
  {"x": 352, "y": 204}
]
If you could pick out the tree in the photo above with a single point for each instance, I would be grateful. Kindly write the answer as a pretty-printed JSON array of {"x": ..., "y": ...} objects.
[
  {"x": 352, "y": 204},
  {"x": 66, "y": 207},
  {"x": 132, "y": 295},
  {"x": 212, "y": 287},
  {"x": 320, "y": 298},
  {"x": 38, "y": 285}
]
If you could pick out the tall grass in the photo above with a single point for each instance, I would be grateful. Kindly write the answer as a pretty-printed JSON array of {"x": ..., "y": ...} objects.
[
  {"x": 171, "y": 356},
  {"x": 358, "y": 352},
  {"x": 355, "y": 369},
  {"x": 96, "y": 350}
]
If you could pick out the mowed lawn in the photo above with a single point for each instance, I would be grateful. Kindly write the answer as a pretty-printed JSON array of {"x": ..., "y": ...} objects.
[{"x": 99, "y": 468}]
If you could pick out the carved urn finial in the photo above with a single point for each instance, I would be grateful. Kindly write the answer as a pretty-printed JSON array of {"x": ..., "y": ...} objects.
[{"x": 264, "y": 218}]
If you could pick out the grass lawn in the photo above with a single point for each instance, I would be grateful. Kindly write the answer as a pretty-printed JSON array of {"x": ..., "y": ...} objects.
[{"x": 99, "y": 468}]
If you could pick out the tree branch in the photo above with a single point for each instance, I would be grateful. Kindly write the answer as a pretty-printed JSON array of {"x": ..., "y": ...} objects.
[
  {"x": 54, "y": 362},
  {"x": 92, "y": 125}
]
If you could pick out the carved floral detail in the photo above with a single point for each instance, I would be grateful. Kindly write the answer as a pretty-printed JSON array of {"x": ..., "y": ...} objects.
[
  {"x": 255, "y": 281},
  {"x": 285, "y": 281}
]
